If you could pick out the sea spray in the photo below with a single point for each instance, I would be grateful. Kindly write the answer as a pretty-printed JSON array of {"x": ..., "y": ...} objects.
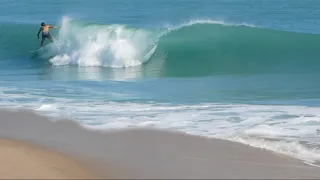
[{"x": 103, "y": 45}]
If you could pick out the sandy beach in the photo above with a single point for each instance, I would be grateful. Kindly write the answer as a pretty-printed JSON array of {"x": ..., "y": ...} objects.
[
  {"x": 32, "y": 146},
  {"x": 21, "y": 160}
]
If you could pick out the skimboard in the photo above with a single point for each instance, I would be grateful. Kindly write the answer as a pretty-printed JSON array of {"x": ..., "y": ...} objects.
[
  {"x": 37, "y": 50},
  {"x": 35, "y": 53}
]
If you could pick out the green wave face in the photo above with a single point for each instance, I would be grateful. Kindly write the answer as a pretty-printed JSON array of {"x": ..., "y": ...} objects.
[{"x": 204, "y": 49}]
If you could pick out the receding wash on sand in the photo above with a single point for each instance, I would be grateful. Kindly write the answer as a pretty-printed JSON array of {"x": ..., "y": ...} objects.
[{"x": 233, "y": 83}]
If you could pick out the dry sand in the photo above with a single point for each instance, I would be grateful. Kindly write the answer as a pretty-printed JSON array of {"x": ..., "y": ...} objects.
[
  {"x": 25, "y": 161},
  {"x": 135, "y": 153}
]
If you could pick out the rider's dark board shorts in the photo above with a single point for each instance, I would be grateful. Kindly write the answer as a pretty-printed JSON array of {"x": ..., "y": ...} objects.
[{"x": 46, "y": 35}]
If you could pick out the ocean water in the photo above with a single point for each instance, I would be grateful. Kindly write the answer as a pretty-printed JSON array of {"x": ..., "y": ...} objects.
[{"x": 241, "y": 70}]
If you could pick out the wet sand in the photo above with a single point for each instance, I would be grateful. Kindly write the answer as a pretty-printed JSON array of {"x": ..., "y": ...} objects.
[{"x": 132, "y": 153}]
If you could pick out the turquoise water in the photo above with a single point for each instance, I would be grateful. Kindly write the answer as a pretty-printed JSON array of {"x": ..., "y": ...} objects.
[{"x": 242, "y": 70}]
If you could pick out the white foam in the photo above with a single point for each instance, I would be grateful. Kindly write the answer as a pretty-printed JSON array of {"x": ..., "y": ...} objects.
[
  {"x": 171, "y": 28},
  {"x": 46, "y": 107},
  {"x": 271, "y": 131},
  {"x": 102, "y": 45},
  {"x": 292, "y": 148}
]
